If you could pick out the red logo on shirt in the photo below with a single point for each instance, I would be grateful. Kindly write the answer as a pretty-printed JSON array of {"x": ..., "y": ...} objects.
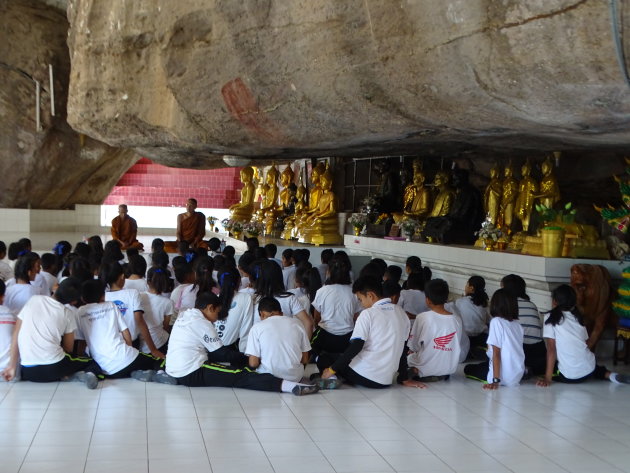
[{"x": 441, "y": 342}]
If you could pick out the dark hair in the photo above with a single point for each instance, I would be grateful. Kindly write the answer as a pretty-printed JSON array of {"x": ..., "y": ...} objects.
[
  {"x": 203, "y": 275},
  {"x": 219, "y": 262},
  {"x": 245, "y": 262},
  {"x": 110, "y": 272},
  {"x": 327, "y": 255},
  {"x": 342, "y": 254},
  {"x": 159, "y": 259},
  {"x": 309, "y": 279},
  {"x": 269, "y": 304},
  {"x": 48, "y": 261},
  {"x": 181, "y": 271},
  {"x": 268, "y": 282},
  {"x": 228, "y": 251},
  {"x": 366, "y": 284},
  {"x": 252, "y": 243},
  {"x": 566, "y": 301},
  {"x": 82, "y": 249},
  {"x": 15, "y": 249},
  {"x": 80, "y": 269},
  {"x": 287, "y": 254},
  {"x": 437, "y": 291},
  {"x": 3, "y": 247},
  {"x": 157, "y": 245},
  {"x": 394, "y": 272},
  {"x": 193, "y": 200},
  {"x": 515, "y": 285},
  {"x": 95, "y": 243},
  {"x": 271, "y": 249},
  {"x": 229, "y": 282},
  {"x": 182, "y": 247},
  {"x": 479, "y": 297},
  {"x": 23, "y": 265},
  {"x": 504, "y": 304},
  {"x": 158, "y": 279},
  {"x": 414, "y": 264},
  {"x": 204, "y": 299},
  {"x": 132, "y": 252},
  {"x": 92, "y": 291},
  {"x": 381, "y": 264},
  {"x": 112, "y": 252},
  {"x": 201, "y": 252},
  {"x": 26, "y": 243},
  {"x": 338, "y": 272},
  {"x": 390, "y": 288},
  {"x": 214, "y": 244},
  {"x": 258, "y": 252},
  {"x": 138, "y": 265},
  {"x": 301, "y": 256},
  {"x": 373, "y": 270},
  {"x": 3, "y": 288},
  {"x": 69, "y": 291}
]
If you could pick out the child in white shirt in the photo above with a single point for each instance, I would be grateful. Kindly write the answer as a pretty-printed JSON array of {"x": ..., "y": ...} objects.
[
  {"x": 506, "y": 359},
  {"x": 413, "y": 300},
  {"x": 237, "y": 311},
  {"x": 137, "y": 268},
  {"x": 288, "y": 269},
  {"x": 6, "y": 272},
  {"x": 17, "y": 295},
  {"x": 49, "y": 269},
  {"x": 435, "y": 338},
  {"x": 566, "y": 338},
  {"x": 158, "y": 309},
  {"x": 278, "y": 344},
  {"x": 7, "y": 326}
]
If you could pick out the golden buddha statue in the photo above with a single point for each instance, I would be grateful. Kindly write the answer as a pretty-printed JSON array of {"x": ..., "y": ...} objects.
[
  {"x": 444, "y": 198},
  {"x": 270, "y": 192},
  {"x": 258, "y": 182},
  {"x": 549, "y": 192},
  {"x": 508, "y": 198},
  {"x": 417, "y": 197},
  {"x": 321, "y": 227},
  {"x": 313, "y": 197},
  {"x": 290, "y": 228},
  {"x": 527, "y": 188},
  {"x": 286, "y": 179},
  {"x": 244, "y": 209},
  {"x": 492, "y": 196}
]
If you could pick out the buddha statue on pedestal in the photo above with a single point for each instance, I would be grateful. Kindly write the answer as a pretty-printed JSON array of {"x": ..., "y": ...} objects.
[
  {"x": 259, "y": 183},
  {"x": 509, "y": 195},
  {"x": 417, "y": 197},
  {"x": 549, "y": 192},
  {"x": 269, "y": 206},
  {"x": 321, "y": 227},
  {"x": 313, "y": 196},
  {"x": 492, "y": 196},
  {"x": 244, "y": 209},
  {"x": 527, "y": 188},
  {"x": 290, "y": 228},
  {"x": 445, "y": 196},
  {"x": 286, "y": 179}
]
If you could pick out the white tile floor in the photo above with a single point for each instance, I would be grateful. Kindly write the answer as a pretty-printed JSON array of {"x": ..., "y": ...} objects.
[{"x": 129, "y": 426}]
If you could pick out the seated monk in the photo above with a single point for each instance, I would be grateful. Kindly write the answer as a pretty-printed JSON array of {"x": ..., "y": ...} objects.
[
  {"x": 125, "y": 230},
  {"x": 191, "y": 227}
]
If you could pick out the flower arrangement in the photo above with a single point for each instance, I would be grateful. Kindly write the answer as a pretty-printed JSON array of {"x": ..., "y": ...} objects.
[
  {"x": 369, "y": 202},
  {"x": 212, "y": 221},
  {"x": 381, "y": 219},
  {"x": 227, "y": 224},
  {"x": 489, "y": 231},
  {"x": 358, "y": 220},
  {"x": 409, "y": 226},
  {"x": 550, "y": 215},
  {"x": 233, "y": 226},
  {"x": 253, "y": 228}
]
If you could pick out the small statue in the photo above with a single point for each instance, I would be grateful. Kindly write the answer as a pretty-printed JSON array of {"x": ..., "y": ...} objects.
[
  {"x": 549, "y": 189},
  {"x": 527, "y": 189},
  {"x": 508, "y": 198},
  {"x": 286, "y": 179},
  {"x": 417, "y": 203},
  {"x": 389, "y": 187},
  {"x": 492, "y": 196},
  {"x": 321, "y": 227},
  {"x": 244, "y": 209},
  {"x": 445, "y": 196}
]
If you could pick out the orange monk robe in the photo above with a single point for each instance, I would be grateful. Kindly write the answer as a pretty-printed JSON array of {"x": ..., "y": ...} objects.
[
  {"x": 191, "y": 228},
  {"x": 125, "y": 231}
]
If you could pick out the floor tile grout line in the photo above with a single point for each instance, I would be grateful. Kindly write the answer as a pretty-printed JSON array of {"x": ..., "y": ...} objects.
[
  {"x": 254, "y": 430},
  {"x": 87, "y": 454},
  {"x": 192, "y": 398}
]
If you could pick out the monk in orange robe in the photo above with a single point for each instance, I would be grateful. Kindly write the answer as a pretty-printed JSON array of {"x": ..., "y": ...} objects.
[
  {"x": 191, "y": 228},
  {"x": 125, "y": 230}
]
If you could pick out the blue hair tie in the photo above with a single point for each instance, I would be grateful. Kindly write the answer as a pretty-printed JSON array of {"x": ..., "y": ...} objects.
[
  {"x": 22, "y": 253},
  {"x": 158, "y": 271},
  {"x": 189, "y": 257},
  {"x": 58, "y": 249}
]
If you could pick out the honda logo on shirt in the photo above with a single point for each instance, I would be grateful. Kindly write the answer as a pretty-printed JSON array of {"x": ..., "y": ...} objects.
[{"x": 442, "y": 342}]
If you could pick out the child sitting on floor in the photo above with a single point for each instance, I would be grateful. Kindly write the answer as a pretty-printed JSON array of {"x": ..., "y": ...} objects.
[
  {"x": 413, "y": 300},
  {"x": 7, "y": 325}
]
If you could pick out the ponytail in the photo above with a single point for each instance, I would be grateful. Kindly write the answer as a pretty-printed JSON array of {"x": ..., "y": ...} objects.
[
  {"x": 566, "y": 301},
  {"x": 203, "y": 275},
  {"x": 158, "y": 279},
  {"x": 479, "y": 296},
  {"x": 309, "y": 279},
  {"x": 229, "y": 281}
]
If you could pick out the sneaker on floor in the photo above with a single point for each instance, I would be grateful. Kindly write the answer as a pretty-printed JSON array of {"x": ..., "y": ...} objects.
[
  {"x": 314, "y": 376},
  {"x": 621, "y": 378},
  {"x": 145, "y": 376},
  {"x": 304, "y": 389},
  {"x": 87, "y": 378},
  {"x": 328, "y": 383},
  {"x": 163, "y": 378}
]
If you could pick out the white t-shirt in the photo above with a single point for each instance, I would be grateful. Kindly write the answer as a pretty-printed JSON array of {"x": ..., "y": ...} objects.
[
  {"x": 239, "y": 321},
  {"x": 575, "y": 360},
  {"x": 193, "y": 336},
  {"x": 100, "y": 325},
  {"x": 413, "y": 301},
  {"x": 279, "y": 342},
  {"x": 50, "y": 280},
  {"x": 337, "y": 305},
  {"x": 188, "y": 296},
  {"x": 128, "y": 301},
  {"x": 384, "y": 327},
  {"x": 508, "y": 336},
  {"x": 17, "y": 295},
  {"x": 475, "y": 318},
  {"x": 44, "y": 323},
  {"x": 530, "y": 320},
  {"x": 288, "y": 277},
  {"x": 7, "y": 325},
  {"x": 289, "y": 305},
  {"x": 176, "y": 296},
  {"x": 323, "y": 270},
  {"x": 139, "y": 285},
  {"x": 435, "y": 341},
  {"x": 6, "y": 272},
  {"x": 156, "y": 308},
  {"x": 303, "y": 297}
]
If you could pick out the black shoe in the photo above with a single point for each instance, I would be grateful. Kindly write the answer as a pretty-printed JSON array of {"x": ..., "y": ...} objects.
[{"x": 304, "y": 389}]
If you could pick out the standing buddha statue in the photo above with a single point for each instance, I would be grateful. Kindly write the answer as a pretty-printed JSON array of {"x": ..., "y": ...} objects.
[
  {"x": 549, "y": 189},
  {"x": 286, "y": 179},
  {"x": 527, "y": 188},
  {"x": 508, "y": 198},
  {"x": 492, "y": 196}
]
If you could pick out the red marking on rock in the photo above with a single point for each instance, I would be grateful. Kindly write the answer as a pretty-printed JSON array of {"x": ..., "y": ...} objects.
[{"x": 243, "y": 106}]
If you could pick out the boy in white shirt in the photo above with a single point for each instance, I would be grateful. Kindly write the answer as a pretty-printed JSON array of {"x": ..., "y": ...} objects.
[
  {"x": 413, "y": 299},
  {"x": 6, "y": 272},
  {"x": 288, "y": 269},
  {"x": 7, "y": 325},
  {"x": 435, "y": 339},
  {"x": 377, "y": 344},
  {"x": 278, "y": 344},
  {"x": 49, "y": 269},
  {"x": 44, "y": 338},
  {"x": 104, "y": 330}
]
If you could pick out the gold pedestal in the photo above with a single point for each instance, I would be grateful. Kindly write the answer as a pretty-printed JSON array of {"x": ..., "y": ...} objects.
[{"x": 328, "y": 239}]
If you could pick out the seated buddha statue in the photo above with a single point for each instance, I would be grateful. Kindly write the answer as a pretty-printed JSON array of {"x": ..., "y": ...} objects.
[
  {"x": 244, "y": 209},
  {"x": 321, "y": 227},
  {"x": 270, "y": 193},
  {"x": 444, "y": 198},
  {"x": 418, "y": 202},
  {"x": 313, "y": 196}
]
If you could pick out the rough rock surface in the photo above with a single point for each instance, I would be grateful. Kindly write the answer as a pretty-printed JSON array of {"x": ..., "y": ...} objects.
[
  {"x": 182, "y": 80},
  {"x": 55, "y": 167}
]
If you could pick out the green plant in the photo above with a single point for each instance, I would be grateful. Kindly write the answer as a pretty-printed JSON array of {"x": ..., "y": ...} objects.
[{"x": 551, "y": 215}]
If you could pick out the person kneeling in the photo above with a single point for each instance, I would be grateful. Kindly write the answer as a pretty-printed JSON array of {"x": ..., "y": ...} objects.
[{"x": 194, "y": 340}]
